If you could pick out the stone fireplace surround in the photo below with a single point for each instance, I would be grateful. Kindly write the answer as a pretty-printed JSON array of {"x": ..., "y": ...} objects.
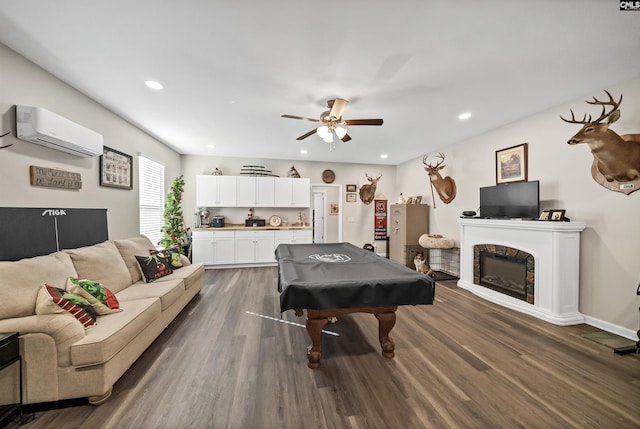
[{"x": 555, "y": 247}]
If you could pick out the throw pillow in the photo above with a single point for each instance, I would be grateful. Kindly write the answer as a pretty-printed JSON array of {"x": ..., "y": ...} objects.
[
  {"x": 52, "y": 300},
  {"x": 101, "y": 299},
  {"x": 172, "y": 253},
  {"x": 154, "y": 266}
]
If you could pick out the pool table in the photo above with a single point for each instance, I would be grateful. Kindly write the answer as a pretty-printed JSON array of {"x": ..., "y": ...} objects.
[{"x": 330, "y": 280}]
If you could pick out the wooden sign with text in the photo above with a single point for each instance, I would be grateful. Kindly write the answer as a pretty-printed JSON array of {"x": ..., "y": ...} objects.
[{"x": 54, "y": 178}]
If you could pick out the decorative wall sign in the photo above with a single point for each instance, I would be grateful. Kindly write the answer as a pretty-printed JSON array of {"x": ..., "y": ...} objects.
[
  {"x": 116, "y": 169},
  {"x": 511, "y": 164},
  {"x": 54, "y": 178},
  {"x": 380, "y": 219}
]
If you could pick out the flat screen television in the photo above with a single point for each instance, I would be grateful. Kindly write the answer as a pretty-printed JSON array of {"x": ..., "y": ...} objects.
[{"x": 518, "y": 200}]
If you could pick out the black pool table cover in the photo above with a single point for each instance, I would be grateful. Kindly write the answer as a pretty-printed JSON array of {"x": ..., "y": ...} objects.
[{"x": 341, "y": 275}]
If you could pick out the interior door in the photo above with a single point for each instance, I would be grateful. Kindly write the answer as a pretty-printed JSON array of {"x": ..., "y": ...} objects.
[{"x": 319, "y": 210}]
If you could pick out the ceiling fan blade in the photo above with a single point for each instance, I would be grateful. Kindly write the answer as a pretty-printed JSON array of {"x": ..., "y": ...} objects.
[
  {"x": 300, "y": 117},
  {"x": 346, "y": 138},
  {"x": 338, "y": 107},
  {"x": 304, "y": 136},
  {"x": 363, "y": 121}
]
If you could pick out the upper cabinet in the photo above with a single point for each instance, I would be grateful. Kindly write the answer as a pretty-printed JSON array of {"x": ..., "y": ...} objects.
[
  {"x": 216, "y": 191},
  {"x": 250, "y": 191},
  {"x": 255, "y": 191},
  {"x": 292, "y": 192}
]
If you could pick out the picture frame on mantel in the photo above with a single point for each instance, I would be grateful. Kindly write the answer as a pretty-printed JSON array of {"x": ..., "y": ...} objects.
[
  {"x": 116, "y": 169},
  {"x": 511, "y": 164}
]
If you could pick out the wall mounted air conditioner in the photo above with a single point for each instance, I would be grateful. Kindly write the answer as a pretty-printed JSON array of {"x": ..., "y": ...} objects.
[{"x": 40, "y": 126}]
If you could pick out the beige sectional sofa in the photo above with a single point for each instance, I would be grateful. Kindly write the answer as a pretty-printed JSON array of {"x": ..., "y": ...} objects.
[{"x": 62, "y": 359}]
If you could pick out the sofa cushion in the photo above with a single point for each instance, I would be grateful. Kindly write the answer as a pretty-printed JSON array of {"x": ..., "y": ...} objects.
[
  {"x": 131, "y": 247},
  {"x": 21, "y": 280},
  {"x": 168, "y": 291},
  {"x": 101, "y": 299},
  {"x": 114, "y": 332},
  {"x": 53, "y": 300},
  {"x": 154, "y": 266},
  {"x": 101, "y": 262},
  {"x": 190, "y": 274}
]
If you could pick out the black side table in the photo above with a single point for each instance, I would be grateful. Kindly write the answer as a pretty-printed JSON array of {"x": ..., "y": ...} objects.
[{"x": 9, "y": 355}]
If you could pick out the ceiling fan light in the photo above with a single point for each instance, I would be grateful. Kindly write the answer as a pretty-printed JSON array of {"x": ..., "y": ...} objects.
[
  {"x": 323, "y": 132},
  {"x": 328, "y": 138},
  {"x": 341, "y": 132}
]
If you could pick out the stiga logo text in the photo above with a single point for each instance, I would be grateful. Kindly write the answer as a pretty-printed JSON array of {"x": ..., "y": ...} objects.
[
  {"x": 629, "y": 5},
  {"x": 54, "y": 212}
]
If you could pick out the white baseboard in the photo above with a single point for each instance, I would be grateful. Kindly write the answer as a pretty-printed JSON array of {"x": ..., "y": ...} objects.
[{"x": 610, "y": 327}]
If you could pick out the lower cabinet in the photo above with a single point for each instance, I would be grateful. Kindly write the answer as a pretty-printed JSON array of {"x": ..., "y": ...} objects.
[
  {"x": 213, "y": 247},
  {"x": 254, "y": 246},
  {"x": 216, "y": 247},
  {"x": 293, "y": 236}
]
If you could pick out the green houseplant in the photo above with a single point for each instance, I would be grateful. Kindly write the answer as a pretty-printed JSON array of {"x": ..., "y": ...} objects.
[{"x": 174, "y": 232}]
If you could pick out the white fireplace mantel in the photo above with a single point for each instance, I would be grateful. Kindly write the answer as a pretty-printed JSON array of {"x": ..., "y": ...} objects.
[{"x": 555, "y": 247}]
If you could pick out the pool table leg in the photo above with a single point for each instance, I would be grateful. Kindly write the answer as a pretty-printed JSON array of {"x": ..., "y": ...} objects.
[
  {"x": 314, "y": 352},
  {"x": 386, "y": 324}
]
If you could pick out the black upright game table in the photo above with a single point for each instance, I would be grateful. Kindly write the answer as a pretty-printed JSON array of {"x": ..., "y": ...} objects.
[{"x": 330, "y": 280}]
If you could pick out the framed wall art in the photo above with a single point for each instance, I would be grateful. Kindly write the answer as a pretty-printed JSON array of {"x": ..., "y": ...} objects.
[
  {"x": 352, "y": 188},
  {"x": 351, "y": 198},
  {"x": 334, "y": 208},
  {"x": 116, "y": 169},
  {"x": 511, "y": 164}
]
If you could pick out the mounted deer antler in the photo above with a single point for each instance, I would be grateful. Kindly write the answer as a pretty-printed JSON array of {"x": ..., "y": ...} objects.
[
  {"x": 368, "y": 191},
  {"x": 617, "y": 158},
  {"x": 8, "y": 145},
  {"x": 446, "y": 187}
]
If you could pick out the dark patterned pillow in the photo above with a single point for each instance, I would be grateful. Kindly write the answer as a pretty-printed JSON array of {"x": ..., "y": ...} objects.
[
  {"x": 172, "y": 253},
  {"x": 52, "y": 300},
  {"x": 100, "y": 298},
  {"x": 154, "y": 266}
]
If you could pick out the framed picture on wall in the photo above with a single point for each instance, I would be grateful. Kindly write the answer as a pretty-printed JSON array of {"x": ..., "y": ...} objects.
[
  {"x": 116, "y": 169},
  {"x": 334, "y": 208},
  {"x": 351, "y": 188},
  {"x": 511, "y": 164},
  {"x": 351, "y": 198}
]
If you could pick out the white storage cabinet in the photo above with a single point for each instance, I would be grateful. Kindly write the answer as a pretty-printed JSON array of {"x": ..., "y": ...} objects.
[
  {"x": 216, "y": 191},
  {"x": 255, "y": 191},
  {"x": 213, "y": 247},
  {"x": 254, "y": 247}
]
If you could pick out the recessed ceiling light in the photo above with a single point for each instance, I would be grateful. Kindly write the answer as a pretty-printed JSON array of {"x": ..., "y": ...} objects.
[
  {"x": 464, "y": 116},
  {"x": 384, "y": 156},
  {"x": 153, "y": 84},
  {"x": 303, "y": 151},
  {"x": 210, "y": 146}
]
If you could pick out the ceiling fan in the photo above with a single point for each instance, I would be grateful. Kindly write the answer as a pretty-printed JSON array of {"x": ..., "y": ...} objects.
[{"x": 332, "y": 122}]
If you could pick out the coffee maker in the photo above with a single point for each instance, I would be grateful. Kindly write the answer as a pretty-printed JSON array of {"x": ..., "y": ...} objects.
[{"x": 203, "y": 218}]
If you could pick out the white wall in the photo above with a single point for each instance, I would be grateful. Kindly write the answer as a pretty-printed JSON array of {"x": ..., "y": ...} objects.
[
  {"x": 610, "y": 245},
  {"x": 358, "y": 231},
  {"x": 25, "y": 83}
]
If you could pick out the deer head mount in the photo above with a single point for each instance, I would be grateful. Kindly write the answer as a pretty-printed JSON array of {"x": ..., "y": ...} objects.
[
  {"x": 368, "y": 191},
  {"x": 446, "y": 188},
  {"x": 616, "y": 158}
]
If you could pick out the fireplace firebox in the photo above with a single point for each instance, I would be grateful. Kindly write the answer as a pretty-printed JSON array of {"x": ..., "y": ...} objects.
[
  {"x": 506, "y": 270},
  {"x": 502, "y": 273}
]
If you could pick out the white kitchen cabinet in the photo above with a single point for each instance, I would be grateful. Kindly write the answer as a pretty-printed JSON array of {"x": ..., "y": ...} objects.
[
  {"x": 254, "y": 246},
  {"x": 216, "y": 191},
  {"x": 292, "y": 192},
  {"x": 293, "y": 236},
  {"x": 255, "y": 191},
  {"x": 213, "y": 247}
]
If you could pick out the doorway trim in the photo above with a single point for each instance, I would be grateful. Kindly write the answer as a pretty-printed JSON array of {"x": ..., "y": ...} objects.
[{"x": 314, "y": 188}]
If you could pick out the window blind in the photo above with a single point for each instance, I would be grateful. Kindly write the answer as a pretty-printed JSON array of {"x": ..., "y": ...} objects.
[{"x": 151, "y": 179}]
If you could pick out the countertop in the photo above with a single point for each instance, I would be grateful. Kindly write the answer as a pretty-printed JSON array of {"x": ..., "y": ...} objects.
[{"x": 241, "y": 227}]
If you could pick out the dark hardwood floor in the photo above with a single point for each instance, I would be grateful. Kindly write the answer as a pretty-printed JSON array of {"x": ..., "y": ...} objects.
[{"x": 460, "y": 363}]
